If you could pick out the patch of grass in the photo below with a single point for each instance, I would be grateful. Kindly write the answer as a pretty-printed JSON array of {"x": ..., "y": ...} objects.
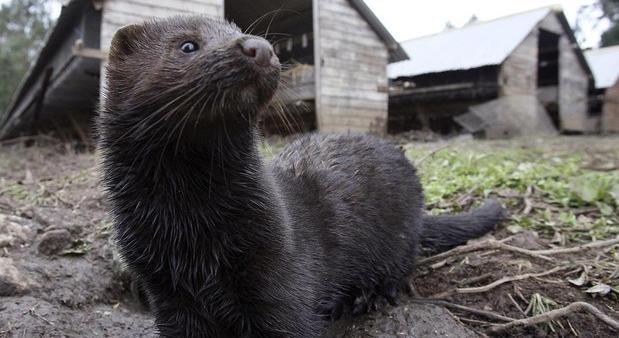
[
  {"x": 548, "y": 192},
  {"x": 539, "y": 305}
]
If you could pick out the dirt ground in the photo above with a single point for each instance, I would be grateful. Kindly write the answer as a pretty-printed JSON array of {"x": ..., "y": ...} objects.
[{"x": 60, "y": 276}]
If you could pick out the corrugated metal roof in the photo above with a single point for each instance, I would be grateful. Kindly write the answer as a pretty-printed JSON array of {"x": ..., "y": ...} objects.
[
  {"x": 476, "y": 45},
  {"x": 604, "y": 63}
]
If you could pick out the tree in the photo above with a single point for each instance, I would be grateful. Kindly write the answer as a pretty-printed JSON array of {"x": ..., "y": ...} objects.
[
  {"x": 594, "y": 14},
  {"x": 610, "y": 8},
  {"x": 23, "y": 26},
  {"x": 472, "y": 20}
]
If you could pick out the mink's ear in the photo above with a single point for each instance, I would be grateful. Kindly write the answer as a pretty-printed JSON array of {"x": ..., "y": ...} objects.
[{"x": 124, "y": 41}]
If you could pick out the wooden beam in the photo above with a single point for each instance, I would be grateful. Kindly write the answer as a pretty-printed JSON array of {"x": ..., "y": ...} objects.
[{"x": 91, "y": 53}]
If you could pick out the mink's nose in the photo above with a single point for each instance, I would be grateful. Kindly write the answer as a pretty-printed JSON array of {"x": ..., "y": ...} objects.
[{"x": 260, "y": 51}]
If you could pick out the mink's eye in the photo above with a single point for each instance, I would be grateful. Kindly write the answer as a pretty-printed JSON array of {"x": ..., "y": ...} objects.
[{"x": 189, "y": 47}]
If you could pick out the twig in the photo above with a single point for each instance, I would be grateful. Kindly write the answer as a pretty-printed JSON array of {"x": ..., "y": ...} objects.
[
  {"x": 423, "y": 159},
  {"x": 487, "y": 314},
  {"x": 592, "y": 245},
  {"x": 458, "y": 251},
  {"x": 507, "y": 247},
  {"x": 494, "y": 284},
  {"x": 484, "y": 245},
  {"x": 519, "y": 294},
  {"x": 556, "y": 314},
  {"x": 467, "y": 196},
  {"x": 475, "y": 321},
  {"x": 509, "y": 295},
  {"x": 32, "y": 312},
  {"x": 494, "y": 244},
  {"x": 476, "y": 279}
]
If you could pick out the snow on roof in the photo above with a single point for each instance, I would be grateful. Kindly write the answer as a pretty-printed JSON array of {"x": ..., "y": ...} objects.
[
  {"x": 604, "y": 63},
  {"x": 475, "y": 45}
]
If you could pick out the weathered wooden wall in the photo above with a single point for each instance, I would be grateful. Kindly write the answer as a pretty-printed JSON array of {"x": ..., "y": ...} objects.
[
  {"x": 610, "y": 112},
  {"x": 573, "y": 91},
  {"x": 351, "y": 70},
  {"x": 118, "y": 13},
  {"x": 573, "y": 82},
  {"x": 518, "y": 74}
]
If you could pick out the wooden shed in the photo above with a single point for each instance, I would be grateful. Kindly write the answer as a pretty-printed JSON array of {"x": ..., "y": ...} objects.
[
  {"x": 605, "y": 65},
  {"x": 345, "y": 90},
  {"x": 532, "y": 58}
]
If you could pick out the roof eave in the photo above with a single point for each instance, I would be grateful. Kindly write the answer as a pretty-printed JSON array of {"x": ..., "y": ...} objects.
[
  {"x": 69, "y": 10},
  {"x": 570, "y": 34},
  {"x": 396, "y": 52}
]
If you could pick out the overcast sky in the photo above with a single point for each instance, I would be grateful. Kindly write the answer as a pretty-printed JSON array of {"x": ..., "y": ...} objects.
[{"x": 408, "y": 19}]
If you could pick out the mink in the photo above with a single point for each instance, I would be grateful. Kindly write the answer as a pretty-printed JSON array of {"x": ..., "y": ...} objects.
[{"x": 225, "y": 243}]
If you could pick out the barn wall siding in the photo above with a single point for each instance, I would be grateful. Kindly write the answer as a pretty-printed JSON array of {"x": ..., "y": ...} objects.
[
  {"x": 610, "y": 114},
  {"x": 352, "y": 74},
  {"x": 573, "y": 82},
  {"x": 573, "y": 89},
  {"x": 518, "y": 74},
  {"x": 117, "y": 13}
]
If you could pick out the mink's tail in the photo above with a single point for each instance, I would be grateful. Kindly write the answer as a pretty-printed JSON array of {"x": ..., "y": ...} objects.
[{"x": 442, "y": 232}]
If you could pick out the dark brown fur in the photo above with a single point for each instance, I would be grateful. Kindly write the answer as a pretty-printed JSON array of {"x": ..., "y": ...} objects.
[{"x": 225, "y": 245}]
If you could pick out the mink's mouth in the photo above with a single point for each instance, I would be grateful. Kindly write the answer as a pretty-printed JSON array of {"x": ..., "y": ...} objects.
[{"x": 260, "y": 88}]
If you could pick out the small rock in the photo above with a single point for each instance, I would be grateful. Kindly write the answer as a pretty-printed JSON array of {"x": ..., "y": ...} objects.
[
  {"x": 6, "y": 240},
  {"x": 14, "y": 230},
  {"x": 12, "y": 283},
  {"x": 529, "y": 240},
  {"x": 54, "y": 241}
]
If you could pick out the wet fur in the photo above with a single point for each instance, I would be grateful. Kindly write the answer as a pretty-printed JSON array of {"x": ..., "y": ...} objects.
[{"x": 226, "y": 245}]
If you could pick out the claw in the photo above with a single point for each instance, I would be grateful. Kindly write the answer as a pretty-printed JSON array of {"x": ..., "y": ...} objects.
[
  {"x": 336, "y": 312},
  {"x": 407, "y": 289}
]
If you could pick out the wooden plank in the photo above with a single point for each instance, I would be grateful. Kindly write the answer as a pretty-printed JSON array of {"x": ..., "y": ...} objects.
[
  {"x": 213, "y": 5},
  {"x": 334, "y": 118},
  {"x": 355, "y": 57},
  {"x": 353, "y": 67},
  {"x": 326, "y": 89},
  {"x": 160, "y": 8},
  {"x": 373, "y": 81},
  {"x": 336, "y": 101},
  {"x": 352, "y": 85},
  {"x": 339, "y": 6},
  {"x": 355, "y": 113},
  {"x": 144, "y": 10},
  {"x": 333, "y": 37},
  {"x": 377, "y": 54},
  {"x": 346, "y": 65}
]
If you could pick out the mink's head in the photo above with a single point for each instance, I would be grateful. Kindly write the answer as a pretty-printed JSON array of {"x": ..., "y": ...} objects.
[{"x": 186, "y": 73}]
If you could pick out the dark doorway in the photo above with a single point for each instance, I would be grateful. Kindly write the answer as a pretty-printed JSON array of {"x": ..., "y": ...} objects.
[
  {"x": 548, "y": 59},
  {"x": 548, "y": 74}
]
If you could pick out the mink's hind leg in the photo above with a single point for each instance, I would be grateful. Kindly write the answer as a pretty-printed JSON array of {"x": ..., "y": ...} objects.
[
  {"x": 333, "y": 308},
  {"x": 330, "y": 309},
  {"x": 388, "y": 290}
]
